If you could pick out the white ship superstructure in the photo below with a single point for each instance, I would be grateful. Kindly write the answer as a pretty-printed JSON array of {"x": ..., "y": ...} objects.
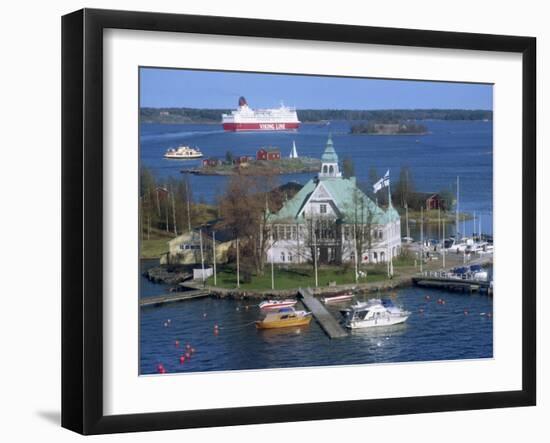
[{"x": 245, "y": 118}]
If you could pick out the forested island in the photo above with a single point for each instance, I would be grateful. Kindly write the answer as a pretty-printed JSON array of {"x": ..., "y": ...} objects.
[
  {"x": 257, "y": 167},
  {"x": 389, "y": 128},
  {"x": 194, "y": 115}
]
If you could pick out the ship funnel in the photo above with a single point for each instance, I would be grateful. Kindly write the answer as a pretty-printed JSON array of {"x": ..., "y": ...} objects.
[{"x": 242, "y": 101}]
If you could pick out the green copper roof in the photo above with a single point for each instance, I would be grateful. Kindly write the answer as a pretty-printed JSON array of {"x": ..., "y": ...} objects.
[
  {"x": 291, "y": 208},
  {"x": 353, "y": 204},
  {"x": 329, "y": 156}
]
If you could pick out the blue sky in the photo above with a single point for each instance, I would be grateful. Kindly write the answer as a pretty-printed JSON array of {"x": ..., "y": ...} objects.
[{"x": 211, "y": 89}]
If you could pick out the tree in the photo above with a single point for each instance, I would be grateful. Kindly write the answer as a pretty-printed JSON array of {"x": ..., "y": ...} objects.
[
  {"x": 403, "y": 190},
  {"x": 229, "y": 157},
  {"x": 348, "y": 168},
  {"x": 448, "y": 199},
  {"x": 244, "y": 211}
]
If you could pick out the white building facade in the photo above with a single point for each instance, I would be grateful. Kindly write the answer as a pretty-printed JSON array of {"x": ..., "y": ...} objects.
[{"x": 332, "y": 216}]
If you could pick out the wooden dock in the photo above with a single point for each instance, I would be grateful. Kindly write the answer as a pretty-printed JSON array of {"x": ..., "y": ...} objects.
[
  {"x": 453, "y": 284},
  {"x": 328, "y": 323},
  {"x": 172, "y": 298}
]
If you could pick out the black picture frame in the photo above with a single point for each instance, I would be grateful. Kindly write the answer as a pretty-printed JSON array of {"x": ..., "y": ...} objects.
[{"x": 82, "y": 218}]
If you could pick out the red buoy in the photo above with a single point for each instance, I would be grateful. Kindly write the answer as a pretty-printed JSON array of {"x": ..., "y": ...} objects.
[
  {"x": 216, "y": 331},
  {"x": 182, "y": 359},
  {"x": 161, "y": 369},
  {"x": 188, "y": 355}
]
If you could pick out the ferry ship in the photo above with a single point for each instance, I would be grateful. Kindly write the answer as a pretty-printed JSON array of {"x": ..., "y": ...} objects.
[
  {"x": 245, "y": 118},
  {"x": 183, "y": 152}
]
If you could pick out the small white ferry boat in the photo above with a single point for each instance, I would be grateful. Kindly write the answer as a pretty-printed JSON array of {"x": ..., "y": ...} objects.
[
  {"x": 374, "y": 313},
  {"x": 269, "y": 305},
  {"x": 183, "y": 152}
]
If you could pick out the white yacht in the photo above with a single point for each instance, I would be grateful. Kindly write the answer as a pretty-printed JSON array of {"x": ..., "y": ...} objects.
[
  {"x": 374, "y": 312},
  {"x": 183, "y": 152}
]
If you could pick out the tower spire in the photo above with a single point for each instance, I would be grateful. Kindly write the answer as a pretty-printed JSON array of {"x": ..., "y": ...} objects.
[{"x": 329, "y": 161}]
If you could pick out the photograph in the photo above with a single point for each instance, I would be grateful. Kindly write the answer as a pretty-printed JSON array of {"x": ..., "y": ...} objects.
[{"x": 294, "y": 221}]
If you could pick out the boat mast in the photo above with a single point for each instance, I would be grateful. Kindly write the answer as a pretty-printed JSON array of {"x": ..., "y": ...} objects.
[
  {"x": 479, "y": 227},
  {"x": 421, "y": 236},
  {"x": 355, "y": 249},
  {"x": 443, "y": 244},
  {"x": 457, "y": 204}
]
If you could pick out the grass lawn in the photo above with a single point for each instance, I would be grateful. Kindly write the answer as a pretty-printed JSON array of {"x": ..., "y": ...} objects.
[
  {"x": 156, "y": 245},
  {"x": 289, "y": 278},
  {"x": 432, "y": 215}
]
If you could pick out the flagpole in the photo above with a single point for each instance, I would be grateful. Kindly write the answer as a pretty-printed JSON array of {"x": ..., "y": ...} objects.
[
  {"x": 214, "y": 251},
  {"x": 202, "y": 256},
  {"x": 272, "y": 272},
  {"x": 238, "y": 270}
]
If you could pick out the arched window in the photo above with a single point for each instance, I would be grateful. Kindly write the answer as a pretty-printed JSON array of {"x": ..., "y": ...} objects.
[
  {"x": 331, "y": 169},
  {"x": 282, "y": 256},
  {"x": 325, "y": 169},
  {"x": 290, "y": 256}
]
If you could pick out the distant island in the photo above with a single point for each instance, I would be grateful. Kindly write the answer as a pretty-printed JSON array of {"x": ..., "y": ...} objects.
[
  {"x": 194, "y": 115},
  {"x": 250, "y": 166},
  {"x": 389, "y": 128}
]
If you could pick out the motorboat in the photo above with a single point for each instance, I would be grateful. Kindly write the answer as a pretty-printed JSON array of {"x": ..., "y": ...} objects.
[
  {"x": 372, "y": 313},
  {"x": 337, "y": 298},
  {"x": 183, "y": 153},
  {"x": 453, "y": 245},
  {"x": 473, "y": 272},
  {"x": 276, "y": 304},
  {"x": 284, "y": 318}
]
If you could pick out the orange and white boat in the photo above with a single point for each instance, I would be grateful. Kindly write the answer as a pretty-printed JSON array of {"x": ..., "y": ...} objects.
[{"x": 284, "y": 318}]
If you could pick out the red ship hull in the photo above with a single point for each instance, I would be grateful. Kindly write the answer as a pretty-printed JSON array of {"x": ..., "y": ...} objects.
[{"x": 260, "y": 126}]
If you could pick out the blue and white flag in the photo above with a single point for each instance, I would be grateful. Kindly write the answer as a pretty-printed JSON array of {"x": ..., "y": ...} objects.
[{"x": 383, "y": 182}]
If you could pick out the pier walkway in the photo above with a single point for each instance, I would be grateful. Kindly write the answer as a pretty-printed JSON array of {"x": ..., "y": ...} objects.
[
  {"x": 440, "y": 280},
  {"x": 171, "y": 298},
  {"x": 328, "y": 323}
]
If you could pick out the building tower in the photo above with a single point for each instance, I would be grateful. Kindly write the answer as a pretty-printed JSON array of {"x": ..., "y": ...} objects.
[{"x": 329, "y": 162}]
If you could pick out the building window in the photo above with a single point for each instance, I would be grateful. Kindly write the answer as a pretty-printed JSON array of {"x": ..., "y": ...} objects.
[
  {"x": 323, "y": 209},
  {"x": 331, "y": 169},
  {"x": 290, "y": 256},
  {"x": 282, "y": 256},
  {"x": 288, "y": 232},
  {"x": 325, "y": 169}
]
